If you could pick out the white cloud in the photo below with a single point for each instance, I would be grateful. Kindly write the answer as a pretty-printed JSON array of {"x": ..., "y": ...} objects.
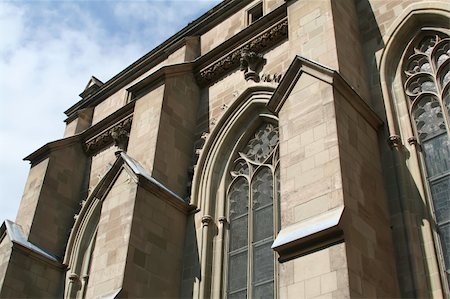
[{"x": 48, "y": 52}]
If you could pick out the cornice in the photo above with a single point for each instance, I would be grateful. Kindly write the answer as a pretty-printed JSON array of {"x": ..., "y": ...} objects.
[
  {"x": 301, "y": 65},
  {"x": 88, "y": 135},
  {"x": 49, "y": 147},
  {"x": 204, "y": 23},
  {"x": 157, "y": 77},
  {"x": 258, "y": 44}
]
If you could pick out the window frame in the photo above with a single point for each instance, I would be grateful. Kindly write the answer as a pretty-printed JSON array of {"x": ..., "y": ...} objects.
[
  {"x": 228, "y": 183},
  {"x": 439, "y": 96},
  {"x": 249, "y": 13}
]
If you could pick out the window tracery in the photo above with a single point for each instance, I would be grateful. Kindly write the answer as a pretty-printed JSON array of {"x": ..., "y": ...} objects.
[
  {"x": 427, "y": 85},
  {"x": 253, "y": 196}
]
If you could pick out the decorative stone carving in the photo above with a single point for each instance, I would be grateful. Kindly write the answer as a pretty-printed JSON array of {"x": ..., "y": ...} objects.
[
  {"x": 274, "y": 78},
  {"x": 198, "y": 147},
  {"x": 73, "y": 277},
  {"x": 412, "y": 140},
  {"x": 259, "y": 44},
  {"x": 251, "y": 64},
  {"x": 395, "y": 141},
  {"x": 120, "y": 136},
  {"x": 117, "y": 134},
  {"x": 206, "y": 220},
  {"x": 223, "y": 220}
]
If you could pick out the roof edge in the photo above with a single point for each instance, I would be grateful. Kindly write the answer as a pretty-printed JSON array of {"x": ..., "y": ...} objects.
[{"x": 202, "y": 24}]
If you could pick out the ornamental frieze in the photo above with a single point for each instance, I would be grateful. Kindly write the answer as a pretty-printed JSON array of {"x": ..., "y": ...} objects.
[
  {"x": 232, "y": 61},
  {"x": 117, "y": 134}
]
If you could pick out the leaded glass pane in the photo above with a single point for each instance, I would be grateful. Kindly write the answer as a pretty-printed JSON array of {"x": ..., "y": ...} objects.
[
  {"x": 429, "y": 119},
  {"x": 238, "y": 198},
  {"x": 445, "y": 75},
  {"x": 419, "y": 84},
  {"x": 262, "y": 188},
  {"x": 444, "y": 234},
  {"x": 427, "y": 44},
  {"x": 262, "y": 145},
  {"x": 238, "y": 233},
  {"x": 263, "y": 223},
  {"x": 440, "y": 191},
  {"x": 442, "y": 52},
  {"x": 437, "y": 155},
  {"x": 238, "y": 295},
  {"x": 237, "y": 272},
  {"x": 262, "y": 263},
  {"x": 264, "y": 291},
  {"x": 241, "y": 168},
  {"x": 418, "y": 63}
]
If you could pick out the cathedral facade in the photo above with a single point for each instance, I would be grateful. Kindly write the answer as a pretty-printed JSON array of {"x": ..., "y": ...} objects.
[{"x": 270, "y": 149}]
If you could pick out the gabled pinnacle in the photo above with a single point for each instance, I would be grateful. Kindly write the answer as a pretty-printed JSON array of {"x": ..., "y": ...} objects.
[{"x": 91, "y": 87}]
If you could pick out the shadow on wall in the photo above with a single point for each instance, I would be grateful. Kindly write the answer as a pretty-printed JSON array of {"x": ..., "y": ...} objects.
[
  {"x": 191, "y": 260},
  {"x": 406, "y": 207}
]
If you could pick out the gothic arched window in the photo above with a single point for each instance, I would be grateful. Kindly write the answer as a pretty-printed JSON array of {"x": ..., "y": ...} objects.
[
  {"x": 427, "y": 84},
  {"x": 253, "y": 197}
]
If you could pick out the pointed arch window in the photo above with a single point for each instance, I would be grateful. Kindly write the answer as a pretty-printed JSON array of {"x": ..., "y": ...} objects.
[
  {"x": 253, "y": 199},
  {"x": 427, "y": 84}
]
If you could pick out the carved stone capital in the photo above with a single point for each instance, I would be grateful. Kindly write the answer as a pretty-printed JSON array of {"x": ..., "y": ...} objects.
[
  {"x": 251, "y": 64},
  {"x": 223, "y": 220},
  {"x": 395, "y": 141},
  {"x": 73, "y": 277},
  {"x": 413, "y": 140},
  {"x": 206, "y": 220}
]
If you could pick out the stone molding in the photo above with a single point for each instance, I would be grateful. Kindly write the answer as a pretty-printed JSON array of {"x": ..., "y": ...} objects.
[
  {"x": 231, "y": 61},
  {"x": 117, "y": 134}
]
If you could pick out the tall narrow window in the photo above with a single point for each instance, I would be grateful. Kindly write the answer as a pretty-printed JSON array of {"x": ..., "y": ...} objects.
[
  {"x": 427, "y": 87},
  {"x": 253, "y": 197},
  {"x": 255, "y": 13}
]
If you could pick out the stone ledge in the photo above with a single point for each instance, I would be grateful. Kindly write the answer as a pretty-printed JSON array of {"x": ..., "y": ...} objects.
[
  {"x": 20, "y": 242},
  {"x": 309, "y": 235}
]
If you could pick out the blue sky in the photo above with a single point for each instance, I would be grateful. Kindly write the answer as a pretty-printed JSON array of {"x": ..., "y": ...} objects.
[{"x": 49, "y": 50}]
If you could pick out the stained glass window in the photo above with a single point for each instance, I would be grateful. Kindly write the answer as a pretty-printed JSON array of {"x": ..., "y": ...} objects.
[
  {"x": 253, "y": 197},
  {"x": 427, "y": 87}
]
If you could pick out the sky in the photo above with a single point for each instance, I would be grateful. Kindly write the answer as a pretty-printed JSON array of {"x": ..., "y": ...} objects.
[{"x": 48, "y": 52}]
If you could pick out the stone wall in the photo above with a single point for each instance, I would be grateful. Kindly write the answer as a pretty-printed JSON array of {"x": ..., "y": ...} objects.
[
  {"x": 369, "y": 244},
  {"x": 146, "y": 118},
  {"x": 111, "y": 248},
  {"x": 52, "y": 197},
  {"x": 27, "y": 276},
  {"x": 154, "y": 259}
]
